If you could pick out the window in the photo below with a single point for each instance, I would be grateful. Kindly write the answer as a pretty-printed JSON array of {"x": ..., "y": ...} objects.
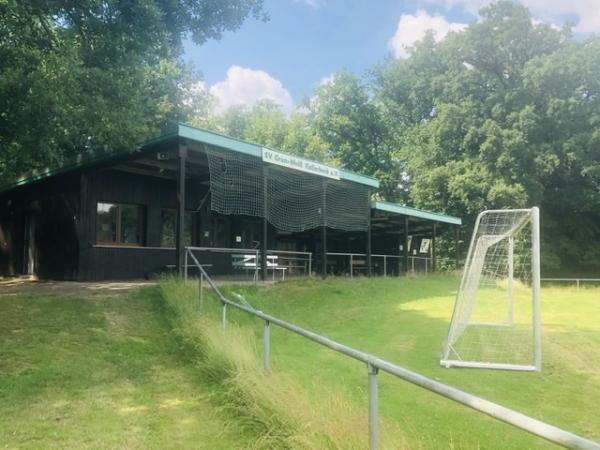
[
  {"x": 119, "y": 224},
  {"x": 169, "y": 228}
]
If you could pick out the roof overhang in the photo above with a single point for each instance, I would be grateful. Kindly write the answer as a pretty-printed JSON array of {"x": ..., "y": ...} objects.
[
  {"x": 395, "y": 208},
  {"x": 182, "y": 131}
]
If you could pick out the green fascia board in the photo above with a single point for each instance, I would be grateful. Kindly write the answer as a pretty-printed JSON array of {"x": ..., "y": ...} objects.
[
  {"x": 248, "y": 148},
  {"x": 414, "y": 212},
  {"x": 219, "y": 140}
]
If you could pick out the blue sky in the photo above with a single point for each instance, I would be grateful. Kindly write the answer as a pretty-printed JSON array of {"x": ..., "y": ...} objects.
[{"x": 306, "y": 41}]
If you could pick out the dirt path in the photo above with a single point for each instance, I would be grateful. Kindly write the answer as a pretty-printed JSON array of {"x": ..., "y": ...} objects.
[{"x": 15, "y": 286}]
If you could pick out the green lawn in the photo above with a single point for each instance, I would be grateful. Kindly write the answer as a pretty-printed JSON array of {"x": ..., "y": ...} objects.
[
  {"x": 100, "y": 372},
  {"x": 405, "y": 321},
  {"x": 106, "y": 372}
]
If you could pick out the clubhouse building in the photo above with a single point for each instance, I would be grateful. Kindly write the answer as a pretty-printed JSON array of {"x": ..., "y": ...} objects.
[{"x": 244, "y": 210}]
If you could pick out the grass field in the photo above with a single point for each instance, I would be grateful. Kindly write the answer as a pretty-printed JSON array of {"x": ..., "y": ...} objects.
[
  {"x": 405, "y": 321},
  {"x": 100, "y": 372},
  {"x": 118, "y": 371}
]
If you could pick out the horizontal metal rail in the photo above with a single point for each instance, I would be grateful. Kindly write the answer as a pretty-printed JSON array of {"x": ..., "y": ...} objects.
[
  {"x": 225, "y": 249},
  {"x": 374, "y": 364},
  {"x": 289, "y": 252},
  {"x": 577, "y": 281}
]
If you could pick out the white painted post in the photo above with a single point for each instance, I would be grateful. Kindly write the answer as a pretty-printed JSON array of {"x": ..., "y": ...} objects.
[
  {"x": 535, "y": 266},
  {"x": 351, "y": 266}
]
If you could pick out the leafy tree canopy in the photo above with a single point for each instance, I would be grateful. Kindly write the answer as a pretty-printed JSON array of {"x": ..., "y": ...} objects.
[
  {"x": 92, "y": 76},
  {"x": 504, "y": 114}
]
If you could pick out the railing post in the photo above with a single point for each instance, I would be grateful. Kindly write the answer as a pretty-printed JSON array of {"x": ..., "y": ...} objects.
[
  {"x": 384, "y": 266},
  {"x": 267, "y": 345},
  {"x": 185, "y": 265},
  {"x": 201, "y": 288},
  {"x": 351, "y": 266},
  {"x": 373, "y": 402},
  {"x": 223, "y": 315},
  {"x": 577, "y": 283},
  {"x": 256, "y": 268},
  {"x": 310, "y": 264}
]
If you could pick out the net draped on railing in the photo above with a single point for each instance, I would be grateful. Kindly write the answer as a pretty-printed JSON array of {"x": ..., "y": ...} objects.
[{"x": 295, "y": 201}]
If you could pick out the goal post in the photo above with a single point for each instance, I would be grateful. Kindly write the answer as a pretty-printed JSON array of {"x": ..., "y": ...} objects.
[{"x": 496, "y": 318}]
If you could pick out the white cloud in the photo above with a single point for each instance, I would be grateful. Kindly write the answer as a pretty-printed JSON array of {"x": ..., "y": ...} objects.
[
  {"x": 327, "y": 79},
  {"x": 312, "y": 3},
  {"x": 585, "y": 13},
  {"x": 412, "y": 28},
  {"x": 244, "y": 86}
]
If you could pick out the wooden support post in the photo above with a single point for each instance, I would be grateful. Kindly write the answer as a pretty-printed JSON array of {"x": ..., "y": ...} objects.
[
  {"x": 406, "y": 249},
  {"x": 324, "y": 231},
  {"x": 457, "y": 244},
  {"x": 265, "y": 231},
  {"x": 433, "y": 250},
  {"x": 180, "y": 232},
  {"x": 369, "y": 259},
  {"x": 324, "y": 252},
  {"x": 83, "y": 229}
]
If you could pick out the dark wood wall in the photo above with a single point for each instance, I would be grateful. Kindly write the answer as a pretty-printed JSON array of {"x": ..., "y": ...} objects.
[
  {"x": 154, "y": 194},
  {"x": 53, "y": 206}
]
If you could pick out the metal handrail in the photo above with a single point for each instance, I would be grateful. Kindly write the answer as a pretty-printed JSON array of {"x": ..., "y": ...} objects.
[
  {"x": 256, "y": 252},
  {"x": 305, "y": 257},
  {"x": 253, "y": 251},
  {"x": 374, "y": 364},
  {"x": 426, "y": 259},
  {"x": 577, "y": 281}
]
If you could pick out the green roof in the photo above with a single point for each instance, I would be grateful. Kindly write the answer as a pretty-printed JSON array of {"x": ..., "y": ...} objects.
[
  {"x": 414, "y": 212},
  {"x": 182, "y": 131}
]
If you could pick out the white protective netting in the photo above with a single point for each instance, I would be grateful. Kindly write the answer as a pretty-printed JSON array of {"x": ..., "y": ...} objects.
[
  {"x": 295, "y": 201},
  {"x": 494, "y": 315}
]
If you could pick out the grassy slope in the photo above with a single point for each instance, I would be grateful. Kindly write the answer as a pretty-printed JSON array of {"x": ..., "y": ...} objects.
[
  {"x": 405, "y": 321},
  {"x": 100, "y": 372}
]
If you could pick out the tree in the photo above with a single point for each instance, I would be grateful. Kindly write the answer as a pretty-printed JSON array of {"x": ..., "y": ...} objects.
[
  {"x": 92, "y": 76},
  {"x": 503, "y": 114},
  {"x": 347, "y": 120},
  {"x": 266, "y": 124}
]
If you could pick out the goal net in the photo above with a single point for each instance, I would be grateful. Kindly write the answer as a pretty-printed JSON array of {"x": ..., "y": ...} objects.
[{"x": 496, "y": 318}]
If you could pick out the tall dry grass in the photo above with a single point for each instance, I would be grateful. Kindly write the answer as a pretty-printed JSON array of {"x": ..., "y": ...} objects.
[{"x": 275, "y": 410}]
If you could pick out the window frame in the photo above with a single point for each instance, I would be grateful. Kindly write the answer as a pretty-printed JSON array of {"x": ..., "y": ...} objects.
[
  {"x": 119, "y": 226},
  {"x": 191, "y": 230}
]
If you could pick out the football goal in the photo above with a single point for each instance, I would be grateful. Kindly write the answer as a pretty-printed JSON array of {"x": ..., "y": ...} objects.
[{"x": 496, "y": 318}]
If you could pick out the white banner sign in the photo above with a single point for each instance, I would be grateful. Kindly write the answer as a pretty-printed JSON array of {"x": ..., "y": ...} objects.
[{"x": 301, "y": 164}]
